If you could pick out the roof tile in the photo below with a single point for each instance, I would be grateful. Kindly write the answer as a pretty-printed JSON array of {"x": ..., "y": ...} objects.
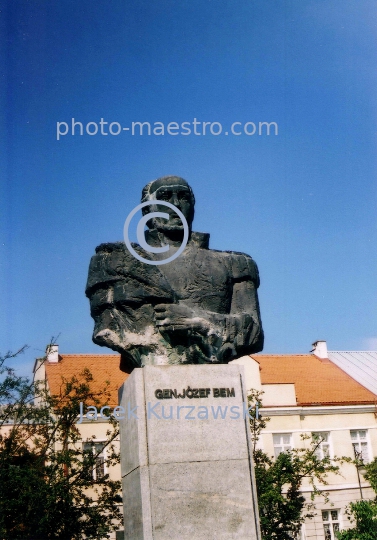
[
  {"x": 103, "y": 367},
  {"x": 317, "y": 382}
]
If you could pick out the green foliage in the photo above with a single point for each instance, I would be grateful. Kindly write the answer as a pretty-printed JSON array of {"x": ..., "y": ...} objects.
[
  {"x": 280, "y": 513},
  {"x": 371, "y": 474},
  {"x": 47, "y": 486},
  {"x": 282, "y": 506},
  {"x": 363, "y": 514}
]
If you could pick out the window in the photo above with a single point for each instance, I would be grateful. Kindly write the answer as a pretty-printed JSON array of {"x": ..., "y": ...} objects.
[
  {"x": 322, "y": 438},
  {"x": 330, "y": 520},
  {"x": 282, "y": 442},
  {"x": 360, "y": 444},
  {"x": 98, "y": 460}
]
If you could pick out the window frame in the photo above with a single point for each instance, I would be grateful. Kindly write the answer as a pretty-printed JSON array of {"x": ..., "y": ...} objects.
[
  {"x": 281, "y": 444},
  {"x": 359, "y": 441},
  {"x": 101, "y": 455},
  {"x": 330, "y": 521},
  {"x": 327, "y": 442}
]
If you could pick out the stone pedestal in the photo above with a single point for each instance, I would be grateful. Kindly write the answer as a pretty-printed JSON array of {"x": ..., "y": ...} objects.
[{"x": 185, "y": 450}]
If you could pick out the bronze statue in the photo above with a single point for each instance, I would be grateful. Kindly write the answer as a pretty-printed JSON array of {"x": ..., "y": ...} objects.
[{"x": 200, "y": 308}]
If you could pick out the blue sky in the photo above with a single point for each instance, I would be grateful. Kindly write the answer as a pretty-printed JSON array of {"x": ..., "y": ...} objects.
[{"x": 302, "y": 204}]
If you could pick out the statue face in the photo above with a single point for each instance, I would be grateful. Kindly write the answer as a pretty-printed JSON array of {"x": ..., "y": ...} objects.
[
  {"x": 177, "y": 192},
  {"x": 181, "y": 198}
]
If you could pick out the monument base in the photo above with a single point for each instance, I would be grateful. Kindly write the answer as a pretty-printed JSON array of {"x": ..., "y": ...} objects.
[{"x": 185, "y": 454}]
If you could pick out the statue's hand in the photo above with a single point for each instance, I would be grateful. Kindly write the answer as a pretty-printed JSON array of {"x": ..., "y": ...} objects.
[{"x": 178, "y": 318}]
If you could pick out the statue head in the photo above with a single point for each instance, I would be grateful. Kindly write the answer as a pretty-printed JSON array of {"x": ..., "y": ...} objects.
[{"x": 171, "y": 189}]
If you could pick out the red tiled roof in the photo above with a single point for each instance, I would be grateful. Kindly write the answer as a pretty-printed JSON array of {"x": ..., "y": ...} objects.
[
  {"x": 103, "y": 367},
  {"x": 317, "y": 382}
]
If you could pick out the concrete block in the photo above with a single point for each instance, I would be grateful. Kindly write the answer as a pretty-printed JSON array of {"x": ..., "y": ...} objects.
[
  {"x": 133, "y": 432},
  {"x": 202, "y": 500},
  {"x": 136, "y": 504},
  {"x": 184, "y": 439},
  {"x": 187, "y": 472}
]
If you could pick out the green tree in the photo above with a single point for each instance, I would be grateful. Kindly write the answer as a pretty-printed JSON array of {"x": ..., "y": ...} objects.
[
  {"x": 282, "y": 506},
  {"x": 46, "y": 476},
  {"x": 363, "y": 514}
]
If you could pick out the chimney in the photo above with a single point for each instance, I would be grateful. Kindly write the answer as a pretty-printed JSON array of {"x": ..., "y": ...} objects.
[
  {"x": 52, "y": 353},
  {"x": 320, "y": 349}
]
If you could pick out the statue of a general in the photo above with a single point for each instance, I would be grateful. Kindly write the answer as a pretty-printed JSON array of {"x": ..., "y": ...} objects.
[{"x": 202, "y": 307}]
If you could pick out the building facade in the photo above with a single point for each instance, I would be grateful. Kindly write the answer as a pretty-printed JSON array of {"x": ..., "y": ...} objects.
[
  {"x": 302, "y": 395},
  {"x": 310, "y": 395},
  {"x": 55, "y": 368}
]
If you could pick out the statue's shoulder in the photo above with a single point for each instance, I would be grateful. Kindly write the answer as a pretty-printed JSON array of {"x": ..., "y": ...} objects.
[
  {"x": 243, "y": 267},
  {"x": 119, "y": 249},
  {"x": 113, "y": 262},
  {"x": 110, "y": 247}
]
